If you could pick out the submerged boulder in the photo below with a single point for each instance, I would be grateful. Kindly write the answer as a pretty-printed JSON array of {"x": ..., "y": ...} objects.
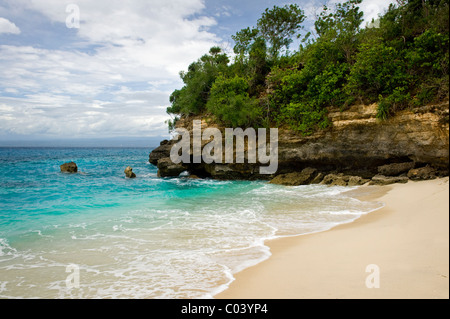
[
  {"x": 69, "y": 167},
  {"x": 129, "y": 172}
]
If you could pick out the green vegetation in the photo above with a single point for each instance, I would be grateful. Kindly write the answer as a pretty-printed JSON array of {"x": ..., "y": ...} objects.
[{"x": 402, "y": 62}]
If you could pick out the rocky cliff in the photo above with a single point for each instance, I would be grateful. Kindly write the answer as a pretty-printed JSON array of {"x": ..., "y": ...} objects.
[{"x": 356, "y": 148}]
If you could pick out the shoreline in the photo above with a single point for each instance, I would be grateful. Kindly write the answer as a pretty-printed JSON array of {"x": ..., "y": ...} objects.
[{"x": 407, "y": 240}]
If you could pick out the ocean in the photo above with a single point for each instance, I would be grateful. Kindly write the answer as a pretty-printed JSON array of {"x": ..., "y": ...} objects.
[{"x": 97, "y": 234}]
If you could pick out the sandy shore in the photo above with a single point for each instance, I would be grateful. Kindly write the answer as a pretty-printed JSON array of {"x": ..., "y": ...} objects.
[{"x": 407, "y": 241}]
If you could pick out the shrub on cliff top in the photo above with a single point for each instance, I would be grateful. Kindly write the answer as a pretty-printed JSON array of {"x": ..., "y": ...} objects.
[{"x": 230, "y": 102}]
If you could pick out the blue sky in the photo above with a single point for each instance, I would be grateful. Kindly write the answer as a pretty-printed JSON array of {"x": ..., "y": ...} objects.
[{"x": 113, "y": 75}]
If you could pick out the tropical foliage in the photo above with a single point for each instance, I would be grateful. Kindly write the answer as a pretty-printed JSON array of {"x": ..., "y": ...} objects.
[{"x": 400, "y": 60}]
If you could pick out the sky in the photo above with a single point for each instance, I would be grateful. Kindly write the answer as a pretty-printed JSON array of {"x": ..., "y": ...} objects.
[{"x": 102, "y": 69}]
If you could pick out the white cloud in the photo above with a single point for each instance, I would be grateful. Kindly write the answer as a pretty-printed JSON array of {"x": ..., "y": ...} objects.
[
  {"x": 7, "y": 26},
  {"x": 373, "y": 8},
  {"x": 117, "y": 75},
  {"x": 120, "y": 86},
  {"x": 60, "y": 116}
]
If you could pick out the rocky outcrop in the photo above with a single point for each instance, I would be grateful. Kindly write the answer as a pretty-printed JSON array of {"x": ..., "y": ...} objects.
[
  {"x": 160, "y": 157},
  {"x": 340, "y": 179},
  {"x": 304, "y": 177},
  {"x": 357, "y": 145},
  {"x": 335, "y": 180},
  {"x": 69, "y": 167},
  {"x": 161, "y": 152},
  {"x": 129, "y": 172},
  {"x": 395, "y": 169},
  {"x": 167, "y": 168},
  {"x": 386, "y": 180},
  {"x": 422, "y": 173},
  {"x": 357, "y": 181}
]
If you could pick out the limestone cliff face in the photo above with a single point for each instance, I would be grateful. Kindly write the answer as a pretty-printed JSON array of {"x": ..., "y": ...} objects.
[
  {"x": 356, "y": 144},
  {"x": 358, "y": 141}
]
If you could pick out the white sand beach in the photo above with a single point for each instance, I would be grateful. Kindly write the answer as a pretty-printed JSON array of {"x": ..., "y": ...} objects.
[{"x": 406, "y": 242}]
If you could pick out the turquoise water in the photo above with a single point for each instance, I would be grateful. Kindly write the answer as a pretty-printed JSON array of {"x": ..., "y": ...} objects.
[{"x": 146, "y": 237}]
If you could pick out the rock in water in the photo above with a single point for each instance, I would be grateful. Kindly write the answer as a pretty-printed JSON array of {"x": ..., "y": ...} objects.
[
  {"x": 129, "y": 172},
  {"x": 69, "y": 167}
]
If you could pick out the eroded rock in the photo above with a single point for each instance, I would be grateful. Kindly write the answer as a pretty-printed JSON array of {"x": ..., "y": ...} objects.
[
  {"x": 395, "y": 169},
  {"x": 335, "y": 180},
  {"x": 129, "y": 172},
  {"x": 167, "y": 168},
  {"x": 357, "y": 181},
  {"x": 69, "y": 167},
  {"x": 387, "y": 180},
  {"x": 423, "y": 173},
  {"x": 304, "y": 177},
  {"x": 161, "y": 151}
]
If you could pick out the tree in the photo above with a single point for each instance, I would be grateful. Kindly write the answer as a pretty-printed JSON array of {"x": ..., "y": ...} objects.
[
  {"x": 279, "y": 25},
  {"x": 341, "y": 26},
  {"x": 198, "y": 80},
  {"x": 243, "y": 41},
  {"x": 257, "y": 66},
  {"x": 401, "y": 63}
]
